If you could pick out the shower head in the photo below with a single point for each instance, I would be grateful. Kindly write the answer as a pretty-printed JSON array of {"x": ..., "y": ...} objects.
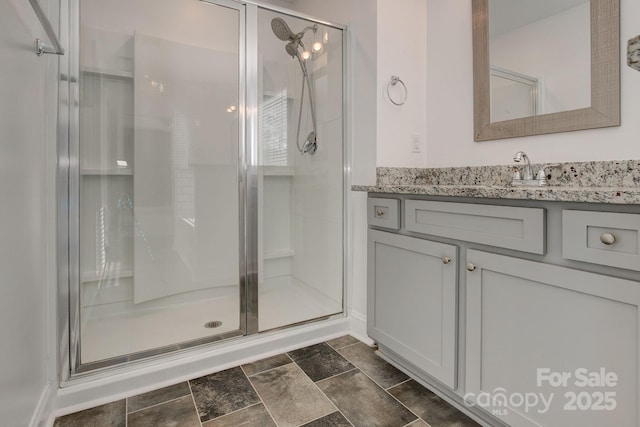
[
  {"x": 282, "y": 30},
  {"x": 292, "y": 49}
]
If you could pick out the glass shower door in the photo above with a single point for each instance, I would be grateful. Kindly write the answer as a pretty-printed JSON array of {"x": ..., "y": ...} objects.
[{"x": 159, "y": 206}]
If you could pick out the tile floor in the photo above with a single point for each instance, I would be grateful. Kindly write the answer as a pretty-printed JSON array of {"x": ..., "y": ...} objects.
[{"x": 337, "y": 383}]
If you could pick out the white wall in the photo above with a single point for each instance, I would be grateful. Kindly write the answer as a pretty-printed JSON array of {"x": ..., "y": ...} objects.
[
  {"x": 449, "y": 114},
  {"x": 401, "y": 52},
  {"x": 26, "y": 156}
]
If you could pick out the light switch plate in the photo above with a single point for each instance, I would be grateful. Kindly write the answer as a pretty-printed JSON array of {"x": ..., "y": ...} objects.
[{"x": 633, "y": 53}]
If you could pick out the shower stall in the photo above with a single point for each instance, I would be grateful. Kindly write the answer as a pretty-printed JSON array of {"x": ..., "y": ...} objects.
[{"x": 205, "y": 163}]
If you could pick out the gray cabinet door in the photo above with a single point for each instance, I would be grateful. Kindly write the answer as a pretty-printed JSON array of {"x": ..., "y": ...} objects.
[
  {"x": 412, "y": 294},
  {"x": 535, "y": 331}
]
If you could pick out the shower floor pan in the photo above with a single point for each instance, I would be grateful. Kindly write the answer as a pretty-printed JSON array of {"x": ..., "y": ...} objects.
[{"x": 111, "y": 333}]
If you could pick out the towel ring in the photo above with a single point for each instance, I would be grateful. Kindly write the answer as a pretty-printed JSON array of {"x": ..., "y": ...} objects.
[{"x": 394, "y": 81}]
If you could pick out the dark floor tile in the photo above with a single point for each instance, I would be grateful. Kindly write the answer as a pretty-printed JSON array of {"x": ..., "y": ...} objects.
[
  {"x": 418, "y": 423},
  {"x": 363, "y": 402},
  {"x": 428, "y": 406},
  {"x": 380, "y": 371},
  {"x": 221, "y": 393},
  {"x": 179, "y": 412},
  {"x": 109, "y": 415},
  {"x": 320, "y": 361},
  {"x": 255, "y": 415},
  {"x": 155, "y": 397},
  {"x": 290, "y": 396},
  {"x": 266, "y": 364},
  {"x": 341, "y": 342},
  {"x": 332, "y": 420}
]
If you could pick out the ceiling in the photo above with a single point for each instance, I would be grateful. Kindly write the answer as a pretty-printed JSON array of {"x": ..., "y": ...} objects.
[{"x": 507, "y": 15}]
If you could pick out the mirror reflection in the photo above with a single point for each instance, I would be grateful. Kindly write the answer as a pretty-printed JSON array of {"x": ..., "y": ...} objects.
[{"x": 539, "y": 57}]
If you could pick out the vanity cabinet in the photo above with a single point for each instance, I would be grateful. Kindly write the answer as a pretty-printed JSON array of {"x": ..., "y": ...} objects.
[
  {"x": 412, "y": 297},
  {"x": 522, "y": 314}
]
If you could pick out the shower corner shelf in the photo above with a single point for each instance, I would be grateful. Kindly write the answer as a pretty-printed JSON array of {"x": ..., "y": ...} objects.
[
  {"x": 278, "y": 171},
  {"x": 283, "y": 253},
  {"x": 113, "y": 275},
  {"x": 106, "y": 172},
  {"x": 108, "y": 72}
]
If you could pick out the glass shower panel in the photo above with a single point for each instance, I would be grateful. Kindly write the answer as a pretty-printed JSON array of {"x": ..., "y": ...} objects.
[
  {"x": 159, "y": 190},
  {"x": 300, "y": 185}
]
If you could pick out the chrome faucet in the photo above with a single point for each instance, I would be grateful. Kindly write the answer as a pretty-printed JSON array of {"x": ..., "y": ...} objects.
[
  {"x": 526, "y": 178},
  {"x": 518, "y": 157}
]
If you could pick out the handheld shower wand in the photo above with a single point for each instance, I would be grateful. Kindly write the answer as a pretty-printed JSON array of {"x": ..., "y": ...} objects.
[{"x": 283, "y": 32}]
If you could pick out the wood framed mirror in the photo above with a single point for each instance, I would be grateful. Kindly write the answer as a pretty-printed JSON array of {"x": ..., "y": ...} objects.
[{"x": 600, "y": 41}]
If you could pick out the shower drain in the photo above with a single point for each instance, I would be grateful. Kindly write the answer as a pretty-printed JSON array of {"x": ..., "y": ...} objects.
[{"x": 213, "y": 324}]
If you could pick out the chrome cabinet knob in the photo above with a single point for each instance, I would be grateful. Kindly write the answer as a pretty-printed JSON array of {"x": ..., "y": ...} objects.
[
  {"x": 608, "y": 239},
  {"x": 379, "y": 212},
  {"x": 446, "y": 260},
  {"x": 471, "y": 267}
]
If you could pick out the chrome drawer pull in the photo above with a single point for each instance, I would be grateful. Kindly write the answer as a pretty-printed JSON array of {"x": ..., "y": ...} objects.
[
  {"x": 608, "y": 239},
  {"x": 471, "y": 267},
  {"x": 379, "y": 212},
  {"x": 446, "y": 260}
]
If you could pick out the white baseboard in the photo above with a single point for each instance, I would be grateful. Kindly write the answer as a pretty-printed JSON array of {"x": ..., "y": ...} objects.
[
  {"x": 43, "y": 414},
  {"x": 358, "y": 327}
]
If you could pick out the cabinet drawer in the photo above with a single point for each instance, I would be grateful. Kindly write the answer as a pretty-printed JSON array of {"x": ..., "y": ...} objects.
[
  {"x": 603, "y": 238},
  {"x": 384, "y": 212},
  {"x": 522, "y": 229}
]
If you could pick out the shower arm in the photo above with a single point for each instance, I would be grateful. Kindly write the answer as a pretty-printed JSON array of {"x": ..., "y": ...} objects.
[{"x": 301, "y": 34}]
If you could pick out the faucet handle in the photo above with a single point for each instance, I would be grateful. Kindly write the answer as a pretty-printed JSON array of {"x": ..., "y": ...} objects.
[{"x": 516, "y": 174}]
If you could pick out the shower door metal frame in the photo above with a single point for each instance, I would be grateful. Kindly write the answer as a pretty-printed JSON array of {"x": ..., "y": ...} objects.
[{"x": 68, "y": 210}]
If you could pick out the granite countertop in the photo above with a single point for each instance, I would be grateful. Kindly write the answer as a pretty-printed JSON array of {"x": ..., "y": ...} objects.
[{"x": 614, "y": 182}]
